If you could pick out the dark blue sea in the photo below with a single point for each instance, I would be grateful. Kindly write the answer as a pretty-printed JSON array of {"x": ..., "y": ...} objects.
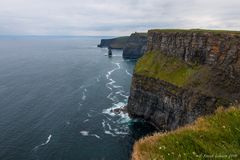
[{"x": 56, "y": 97}]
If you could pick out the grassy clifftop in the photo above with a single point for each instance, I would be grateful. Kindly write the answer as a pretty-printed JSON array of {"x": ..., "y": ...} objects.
[
  {"x": 169, "y": 69},
  {"x": 200, "y": 78},
  {"x": 196, "y": 31},
  {"x": 211, "y": 137}
]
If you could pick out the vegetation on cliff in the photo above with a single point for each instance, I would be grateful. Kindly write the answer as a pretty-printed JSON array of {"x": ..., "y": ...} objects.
[
  {"x": 195, "y": 31},
  {"x": 210, "y": 137},
  {"x": 200, "y": 78},
  {"x": 169, "y": 69},
  {"x": 184, "y": 75}
]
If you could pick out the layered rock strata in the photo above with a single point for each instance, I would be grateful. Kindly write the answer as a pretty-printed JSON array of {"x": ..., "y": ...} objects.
[
  {"x": 136, "y": 46},
  {"x": 208, "y": 65}
]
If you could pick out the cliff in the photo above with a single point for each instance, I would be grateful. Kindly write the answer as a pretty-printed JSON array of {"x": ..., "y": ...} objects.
[
  {"x": 136, "y": 46},
  {"x": 114, "y": 43},
  {"x": 211, "y": 137},
  {"x": 185, "y": 74}
]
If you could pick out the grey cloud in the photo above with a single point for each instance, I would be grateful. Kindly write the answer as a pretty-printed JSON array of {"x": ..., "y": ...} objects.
[{"x": 119, "y": 17}]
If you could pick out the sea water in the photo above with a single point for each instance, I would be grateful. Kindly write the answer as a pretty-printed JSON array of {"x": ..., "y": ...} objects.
[{"x": 56, "y": 100}]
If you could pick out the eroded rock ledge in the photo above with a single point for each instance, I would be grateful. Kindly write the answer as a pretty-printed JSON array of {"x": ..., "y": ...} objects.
[{"x": 207, "y": 65}]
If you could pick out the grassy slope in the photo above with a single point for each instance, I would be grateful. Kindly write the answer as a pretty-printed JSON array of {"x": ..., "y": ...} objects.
[
  {"x": 170, "y": 69},
  {"x": 177, "y": 72},
  {"x": 217, "y": 135}
]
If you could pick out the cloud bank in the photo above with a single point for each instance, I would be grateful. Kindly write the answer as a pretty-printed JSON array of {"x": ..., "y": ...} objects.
[{"x": 118, "y": 17}]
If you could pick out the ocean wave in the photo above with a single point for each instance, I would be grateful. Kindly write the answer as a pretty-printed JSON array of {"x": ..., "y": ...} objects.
[
  {"x": 86, "y": 120},
  {"x": 109, "y": 133},
  {"x": 45, "y": 143},
  {"x": 84, "y": 133},
  {"x": 128, "y": 73},
  {"x": 116, "y": 119},
  {"x": 84, "y": 96},
  {"x": 113, "y": 70},
  {"x": 89, "y": 115},
  {"x": 109, "y": 111},
  {"x": 95, "y": 135}
]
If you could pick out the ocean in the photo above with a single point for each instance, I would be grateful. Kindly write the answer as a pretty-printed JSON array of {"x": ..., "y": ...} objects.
[{"x": 56, "y": 97}]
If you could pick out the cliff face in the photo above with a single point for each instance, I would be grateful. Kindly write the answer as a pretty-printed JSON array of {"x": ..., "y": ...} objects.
[
  {"x": 204, "y": 47},
  {"x": 165, "y": 105},
  {"x": 184, "y": 75},
  {"x": 136, "y": 46},
  {"x": 115, "y": 43}
]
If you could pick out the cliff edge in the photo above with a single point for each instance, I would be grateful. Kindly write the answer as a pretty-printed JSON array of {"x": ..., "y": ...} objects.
[
  {"x": 210, "y": 137},
  {"x": 185, "y": 74},
  {"x": 114, "y": 43},
  {"x": 136, "y": 46}
]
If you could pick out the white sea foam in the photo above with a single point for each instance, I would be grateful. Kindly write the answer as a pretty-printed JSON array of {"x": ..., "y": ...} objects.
[
  {"x": 89, "y": 115},
  {"x": 84, "y": 96},
  {"x": 103, "y": 123},
  {"x": 84, "y": 133},
  {"x": 45, "y": 143},
  {"x": 115, "y": 86},
  {"x": 119, "y": 98},
  {"x": 95, "y": 135},
  {"x": 121, "y": 94},
  {"x": 121, "y": 133},
  {"x": 129, "y": 73},
  {"x": 110, "y": 72},
  {"x": 109, "y": 133},
  {"x": 82, "y": 86},
  {"x": 110, "y": 112},
  {"x": 109, "y": 127},
  {"x": 112, "y": 97},
  {"x": 124, "y": 118},
  {"x": 109, "y": 95},
  {"x": 86, "y": 120},
  {"x": 48, "y": 139},
  {"x": 119, "y": 105}
]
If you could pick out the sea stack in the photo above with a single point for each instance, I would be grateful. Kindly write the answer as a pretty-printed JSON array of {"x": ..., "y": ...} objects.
[{"x": 109, "y": 51}]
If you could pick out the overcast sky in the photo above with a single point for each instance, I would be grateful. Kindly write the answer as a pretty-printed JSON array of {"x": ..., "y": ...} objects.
[{"x": 114, "y": 17}]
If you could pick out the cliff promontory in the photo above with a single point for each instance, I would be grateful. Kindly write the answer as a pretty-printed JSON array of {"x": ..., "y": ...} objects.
[
  {"x": 136, "y": 46},
  {"x": 185, "y": 74},
  {"x": 114, "y": 43}
]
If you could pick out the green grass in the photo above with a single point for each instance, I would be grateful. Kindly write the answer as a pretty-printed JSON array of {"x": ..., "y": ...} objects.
[
  {"x": 169, "y": 69},
  {"x": 210, "y": 137},
  {"x": 196, "y": 31}
]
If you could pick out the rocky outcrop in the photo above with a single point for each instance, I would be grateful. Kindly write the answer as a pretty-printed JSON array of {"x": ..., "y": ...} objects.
[
  {"x": 114, "y": 43},
  {"x": 204, "y": 47},
  {"x": 133, "y": 46},
  {"x": 216, "y": 81},
  {"x": 136, "y": 46},
  {"x": 165, "y": 105}
]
